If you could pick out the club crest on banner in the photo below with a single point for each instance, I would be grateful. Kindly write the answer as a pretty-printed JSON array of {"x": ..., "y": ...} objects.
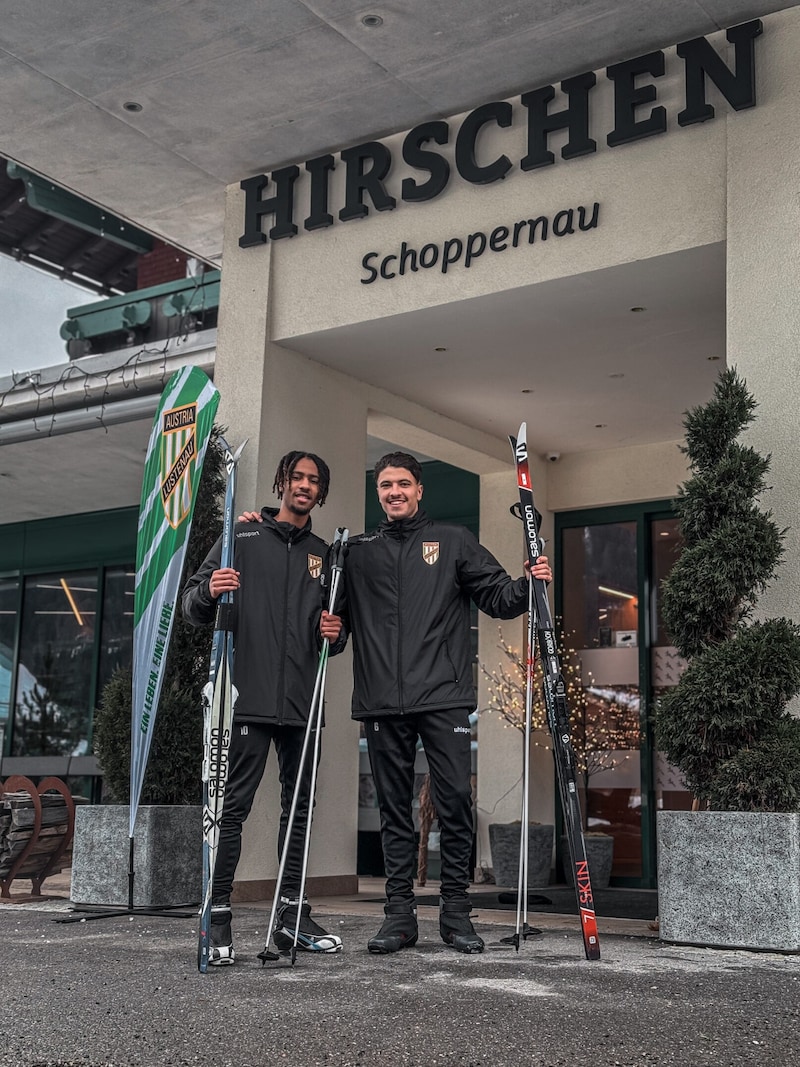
[
  {"x": 178, "y": 454},
  {"x": 314, "y": 565},
  {"x": 430, "y": 552}
]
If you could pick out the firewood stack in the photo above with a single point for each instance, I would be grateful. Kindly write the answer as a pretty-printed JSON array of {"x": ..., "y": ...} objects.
[{"x": 48, "y": 853}]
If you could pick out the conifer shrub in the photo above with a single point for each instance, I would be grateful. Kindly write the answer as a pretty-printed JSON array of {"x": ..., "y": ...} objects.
[
  {"x": 174, "y": 764},
  {"x": 726, "y": 726}
]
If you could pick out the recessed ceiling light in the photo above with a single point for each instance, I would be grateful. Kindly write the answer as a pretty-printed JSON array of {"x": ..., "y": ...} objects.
[
  {"x": 371, "y": 21},
  {"x": 638, "y": 309},
  {"x": 440, "y": 349},
  {"x": 131, "y": 105},
  {"x": 600, "y": 425},
  {"x": 526, "y": 390}
]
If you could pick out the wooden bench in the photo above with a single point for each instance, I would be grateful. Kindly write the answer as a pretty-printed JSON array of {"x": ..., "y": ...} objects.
[{"x": 36, "y": 827}]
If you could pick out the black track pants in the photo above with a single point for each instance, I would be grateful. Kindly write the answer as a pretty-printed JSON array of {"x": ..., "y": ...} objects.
[
  {"x": 247, "y": 758},
  {"x": 391, "y": 743}
]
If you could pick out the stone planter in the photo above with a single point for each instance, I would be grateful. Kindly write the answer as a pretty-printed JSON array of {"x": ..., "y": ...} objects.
[
  {"x": 729, "y": 879},
  {"x": 599, "y": 853},
  {"x": 504, "y": 841},
  {"x": 167, "y": 855}
]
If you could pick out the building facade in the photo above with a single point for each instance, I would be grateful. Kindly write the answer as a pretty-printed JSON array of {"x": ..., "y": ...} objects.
[{"x": 584, "y": 256}]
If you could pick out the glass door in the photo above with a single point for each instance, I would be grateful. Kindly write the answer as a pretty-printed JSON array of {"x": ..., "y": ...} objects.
[
  {"x": 600, "y": 614},
  {"x": 617, "y": 660}
]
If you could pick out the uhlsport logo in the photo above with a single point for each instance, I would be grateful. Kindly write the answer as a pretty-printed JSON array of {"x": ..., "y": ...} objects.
[
  {"x": 178, "y": 456},
  {"x": 314, "y": 565},
  {"x": 430, "y": 552}
]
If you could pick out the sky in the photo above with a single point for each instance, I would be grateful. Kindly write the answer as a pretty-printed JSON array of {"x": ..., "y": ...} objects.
[{"x": 32, "y": 307}]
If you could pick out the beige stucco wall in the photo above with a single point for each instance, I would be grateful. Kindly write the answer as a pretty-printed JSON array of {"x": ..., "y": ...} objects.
[
  {"x": 657, "y": 196},
  {"x": 734, "y": 178},
  {"x": 763, "y": 327}
]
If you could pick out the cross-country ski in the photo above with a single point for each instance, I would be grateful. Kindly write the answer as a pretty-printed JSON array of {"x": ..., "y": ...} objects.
[
  {"x": 219, "y": 699},
  {"x": 541, "y": 631}
]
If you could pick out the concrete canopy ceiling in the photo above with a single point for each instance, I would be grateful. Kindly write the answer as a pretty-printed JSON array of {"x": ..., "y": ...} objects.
[{"x": 231, "y": 90}]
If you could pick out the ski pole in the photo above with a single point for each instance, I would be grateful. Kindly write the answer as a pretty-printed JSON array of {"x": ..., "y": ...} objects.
[{"x": 314, "y": 723}]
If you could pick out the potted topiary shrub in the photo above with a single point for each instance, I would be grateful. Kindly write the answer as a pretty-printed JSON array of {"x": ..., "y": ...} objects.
[
  {"x": 168, "y": 838},
  {"x": 729, "y": 870}
]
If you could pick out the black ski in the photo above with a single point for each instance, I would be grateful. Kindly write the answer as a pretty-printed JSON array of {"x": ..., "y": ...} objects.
[
  {"x": 219, "y": 698},
  {"x": 555, "y": 701}
]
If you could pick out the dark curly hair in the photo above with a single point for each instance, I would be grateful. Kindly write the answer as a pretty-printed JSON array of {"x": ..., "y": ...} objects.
[
  {"x": 399, "y": 459},
  {"x": 287, "y": 465}
]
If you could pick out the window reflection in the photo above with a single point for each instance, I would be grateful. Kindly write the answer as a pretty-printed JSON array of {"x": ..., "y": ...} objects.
[
  {"x": 116, "y": 634},
  {"x": 56, "y": 653},
  {"x": 666, "y": 663},
  {"x": 9, "y": 596},
  {"x": 601, "y": 662}
]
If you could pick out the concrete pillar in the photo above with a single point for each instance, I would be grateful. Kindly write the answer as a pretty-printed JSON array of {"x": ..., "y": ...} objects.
[
  {"x": 281, "y": 401},
  {"x": 500, "y": 746}
]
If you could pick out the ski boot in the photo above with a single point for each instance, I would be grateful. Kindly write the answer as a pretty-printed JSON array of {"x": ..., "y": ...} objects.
[
  {"x": 456, "y": 928},
  {"x": 221, "y": 952},
  {"x": 399, "y": 929},
  {"x": 310, "y": 937}
]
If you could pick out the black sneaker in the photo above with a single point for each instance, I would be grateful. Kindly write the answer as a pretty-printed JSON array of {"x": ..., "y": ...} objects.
[
  {"x": 310, "y": 937},
  {"x": 221, "y": 953},
  {"x": 456, "y": 928},
  {"x": 399, "y": 929}
]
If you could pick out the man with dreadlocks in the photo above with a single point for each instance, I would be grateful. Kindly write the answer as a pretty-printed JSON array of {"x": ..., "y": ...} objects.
[{"x": 279, "y": 619}]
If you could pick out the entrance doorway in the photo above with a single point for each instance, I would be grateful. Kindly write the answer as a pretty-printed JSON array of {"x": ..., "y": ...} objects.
[{"x": 617, "y": 660}]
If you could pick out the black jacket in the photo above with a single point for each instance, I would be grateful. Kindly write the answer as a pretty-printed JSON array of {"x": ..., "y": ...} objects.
[
  {"x": 277, "y": 610},
  {"x": 409, "y": 585}
]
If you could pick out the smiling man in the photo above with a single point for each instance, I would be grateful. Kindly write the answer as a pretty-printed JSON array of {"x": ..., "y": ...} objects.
[
  {"x": 409, "y": 587},
  {"x": 279, "y": 620}
]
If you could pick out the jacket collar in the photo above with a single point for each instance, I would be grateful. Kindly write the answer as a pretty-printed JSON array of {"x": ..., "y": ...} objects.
[
  {"x": 404, "y": 527},
  {"x": 285, "y": 530}
]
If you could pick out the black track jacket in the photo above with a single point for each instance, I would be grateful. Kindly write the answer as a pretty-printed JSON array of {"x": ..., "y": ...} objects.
[
  {"x": 408, "y": 587},
  {"x": 277, "y": 606}
]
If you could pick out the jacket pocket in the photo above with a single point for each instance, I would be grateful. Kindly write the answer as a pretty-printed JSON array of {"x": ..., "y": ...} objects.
[{"x": 449, "y": 659}]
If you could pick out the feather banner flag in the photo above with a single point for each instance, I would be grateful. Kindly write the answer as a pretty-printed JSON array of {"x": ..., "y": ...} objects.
[{"x": 178, "y": 442}]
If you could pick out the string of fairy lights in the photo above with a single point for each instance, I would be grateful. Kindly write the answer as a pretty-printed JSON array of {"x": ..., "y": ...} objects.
[
  {"x": 143, "y": 372},
  {"x": 604, "y": 722}
]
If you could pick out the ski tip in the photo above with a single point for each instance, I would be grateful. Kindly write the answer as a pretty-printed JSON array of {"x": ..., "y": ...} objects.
[{"x": 239, "y": 450}]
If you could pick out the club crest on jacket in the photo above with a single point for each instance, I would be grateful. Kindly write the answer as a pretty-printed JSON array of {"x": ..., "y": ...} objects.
[
  {"x": 314, "y": 565},
  {"x": 430, "y": 552}
]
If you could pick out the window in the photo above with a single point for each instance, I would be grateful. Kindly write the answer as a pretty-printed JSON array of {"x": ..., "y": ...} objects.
[
  {"x": 600, "y": 609},
  {"x": 116, "y": 632},
  {"x": 54, "y": 678},
  {"x": 9, "y": 602}
]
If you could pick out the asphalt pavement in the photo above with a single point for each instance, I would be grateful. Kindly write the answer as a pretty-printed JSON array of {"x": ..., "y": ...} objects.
[{"x": 125, "y": 992}]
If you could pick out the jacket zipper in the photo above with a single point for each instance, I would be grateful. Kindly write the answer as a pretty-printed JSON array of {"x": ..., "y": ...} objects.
[
  {"x": 282, "y": 674},
  {"x": 400, "y": 625}
]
